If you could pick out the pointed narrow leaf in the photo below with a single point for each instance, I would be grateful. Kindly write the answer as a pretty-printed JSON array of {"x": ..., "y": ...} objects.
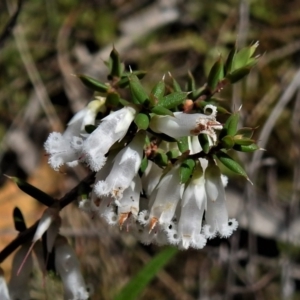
[
  {"x": 183, "y": 144},
  {"x": 124, "y": 81},
  {"x": 19, "y": 221},
  {"x": 216, "y": 74},
  {"x": 238, "y": 74},
  {"x": 249, "y": 148},
  {"x": 93, "y": 84},
  {"x": 243, "y": 141},
  {"x": 245, "y": 132},
  {"x": 137, "y": 284},
  {"x": 175, "y": 84},
  {"x": 139, "y": 96},
  {"x": 204, "y": 142},
  {"x": 230, "y": 126},
  {"x": 186, "y": 170},
  {"x": 162, "y": 111},
  {"x": 142, "y": 121},
  {"x": 33, "y": 192},
  {"x": 227, "y": 142},
  {"x": 173, "y": 100},
  {"x": 159, "y": 89},
  {"x": 241, "y": 58},
  {"x": 198, "y": 92},
  {"x": 191, "y": 85},
  {"x": 231, "y": 164},
  {"x": 116, "y": 65},
  {"x": 229, "y": 61}
]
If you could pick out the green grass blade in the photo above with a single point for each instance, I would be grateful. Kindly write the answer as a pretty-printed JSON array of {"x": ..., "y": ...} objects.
[{"x": 138, "y": 283}]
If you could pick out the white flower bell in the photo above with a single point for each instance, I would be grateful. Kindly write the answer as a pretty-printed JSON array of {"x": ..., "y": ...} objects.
[
  {"x": 183, "y": 124},
  {"x": 216, "y": 216},
  {"x": 111, "y": 129}
]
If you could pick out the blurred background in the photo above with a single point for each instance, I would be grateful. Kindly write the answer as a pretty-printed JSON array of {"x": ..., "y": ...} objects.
[{"x": 42, "y": 43}]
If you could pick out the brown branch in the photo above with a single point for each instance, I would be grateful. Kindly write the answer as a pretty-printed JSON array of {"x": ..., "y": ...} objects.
[{"x": 27, "y": 235}]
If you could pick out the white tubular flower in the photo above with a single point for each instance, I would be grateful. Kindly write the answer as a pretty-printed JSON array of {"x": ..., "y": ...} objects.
[
  {"x": 66, "y": 148},
  {"x": 216, "y": 216},
  {"x": 67, "y": 266},
  {"x": 112, "y": 129},
  {"x": 129, "y": 204},
  {"x": 125, "y": 167},
  {"x": 183, "y": 124},
  {"x": 194, "y": 144},
  {"x": 151, "y": 177},
  {"x": 4, "y": 295},
  {"x": 167, "y": 195},
  {"x": 19, "y": 282},
  {"x": 193, "y": 205},
  {"x": 61, "y": 151}
]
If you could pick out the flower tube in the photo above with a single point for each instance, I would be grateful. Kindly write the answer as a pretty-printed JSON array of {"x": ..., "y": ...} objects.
[
  {"x": 66, "y": 148},
  {"x": 192, "y": 210},
  {"x": 112, "y": 129},
  {"x": 183, "y": 124},
  {"x": 125, "y": 167},
  {"x": 216, "y": 216}
]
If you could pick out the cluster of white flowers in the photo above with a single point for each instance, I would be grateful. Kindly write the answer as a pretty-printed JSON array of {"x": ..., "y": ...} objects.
[{"x": 154, "y": 205}]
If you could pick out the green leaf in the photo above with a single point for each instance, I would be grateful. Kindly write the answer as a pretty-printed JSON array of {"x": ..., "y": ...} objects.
[
  {"x": 183, "y": 144},
  {"x": 245, "y": 132},
  {"x": 241, "y": 58},
  {"x": 173, "y": 100},
  {"x": 186, "y": 170},
  {"x": 238, "y": 74},
  {"x": 124, "y": 102},
  {"x": 191, "y": 85},
  {"x": 175, "y": 84},
  {"x": 204, "y": 142},
  {"x": 230, "y": 126},
  {"x": 161, "y": 158},
  {"x": 112, "y": 99},
  {"x": 116, "y": 65},
  {"x": 124, "y": 81},
  {"x": 227, "y": 142},
  {"x": 231, "y": 164},
  {"x": 216, "y": 74},
  {"x": 229, "y": 61},
  {"x": 142, "y": 121},
  {"x": 144, "y": 164},
  {"x": 139, "y": 96},
  {"x": 197, "y": 93},
  {"x": 33, "y": 191},
  {"x": 243, "y": 141},
  {"x": 172, "y": 154},
  {"x": 159, "y": 90},
  {"x": 162, "y": 111},
  {"x": 249, "y": 148},
  {"x": 138, "y": 283},
  {"x": 19, "y": 221},
  {"x": 93, "y": 84}
]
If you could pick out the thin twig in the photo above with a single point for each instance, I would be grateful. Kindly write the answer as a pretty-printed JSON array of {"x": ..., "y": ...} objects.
[{"x": 27, "y": 235}]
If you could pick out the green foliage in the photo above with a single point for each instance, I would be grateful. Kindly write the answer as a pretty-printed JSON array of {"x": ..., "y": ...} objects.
[{"x": 138, "y": 283}]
